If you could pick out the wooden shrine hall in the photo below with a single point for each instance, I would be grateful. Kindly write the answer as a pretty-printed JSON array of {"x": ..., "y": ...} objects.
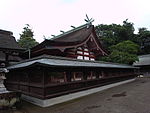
[{"x": 65, "y": 64}]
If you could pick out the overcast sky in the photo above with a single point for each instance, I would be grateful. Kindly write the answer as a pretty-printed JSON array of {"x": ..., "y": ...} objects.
[{"x": 47, "y": 17}]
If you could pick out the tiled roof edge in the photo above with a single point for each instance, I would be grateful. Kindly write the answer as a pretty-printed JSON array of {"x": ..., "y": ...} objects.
[{"x": 71, "y": 59}]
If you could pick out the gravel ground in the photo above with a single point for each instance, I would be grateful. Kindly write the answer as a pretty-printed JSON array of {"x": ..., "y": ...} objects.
[{"x": 132, "y": 97}]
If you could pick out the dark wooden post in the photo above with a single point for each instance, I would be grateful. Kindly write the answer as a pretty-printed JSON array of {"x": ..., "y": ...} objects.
[
  {"x": 97, "y": 74},
  {"x": 91, "y": 75},
  {"x": 43, "y": 81},
  {"x": 65, "y": 77},
  {"x": 103, "y": 74},
  {"x": 74, "y": 76},
  {"x": 68, "y": 76},
  {"x": 28, "y": 80},
  {"x": 85, "y": 74}
]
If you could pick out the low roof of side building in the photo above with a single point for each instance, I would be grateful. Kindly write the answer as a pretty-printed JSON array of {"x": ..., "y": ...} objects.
[{"x": 144, "y": 60}]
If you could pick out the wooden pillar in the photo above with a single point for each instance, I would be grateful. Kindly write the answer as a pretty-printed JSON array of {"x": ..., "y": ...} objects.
[
  {"x": 74, "y": 76},
  {"x": 45, "y": 80},
  {"x": 65, "y": 77},
  {"x": 85, "y": 74},
  {"x": 97, "y": 74},
  {"x": 103, "y": 74},
  {"x": 68, "y": 76},
  {"x": 91, "y": 75},
  {"x": 28, "y": 79},
  {"x": 43, "y": 77}
]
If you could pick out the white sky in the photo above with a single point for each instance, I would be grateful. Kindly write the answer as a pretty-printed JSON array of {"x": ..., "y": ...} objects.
[{"x": 47, "y": 17}]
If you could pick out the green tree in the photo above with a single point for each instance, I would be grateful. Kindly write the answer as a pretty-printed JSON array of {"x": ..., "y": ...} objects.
[
  {"x": 113, "y": 34},
  {"x": 26, "y": 38},
  {"x": 128, "y": 33},
  {"x": 144, "y": 40},
  {"x": 106, "y": 34},
  {"x": 123, "y": 52}
]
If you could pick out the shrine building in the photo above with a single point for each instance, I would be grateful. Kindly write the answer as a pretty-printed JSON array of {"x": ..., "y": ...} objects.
[{"x": 61, "y": 66}]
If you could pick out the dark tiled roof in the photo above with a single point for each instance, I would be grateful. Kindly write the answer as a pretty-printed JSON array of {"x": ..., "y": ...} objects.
[
  {"x": 76, "y": 35},
  {"x": 51, "y": 61},
  {"x": 7, "y": 41},
  {"x": 144, "y": 60},
  {"x": 70, "y": 39}
]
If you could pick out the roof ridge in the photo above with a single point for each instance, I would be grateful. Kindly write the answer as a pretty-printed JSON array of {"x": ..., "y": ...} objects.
[
  {"x": 72, "y": 30},
  {"x": 4, "y": 32}
]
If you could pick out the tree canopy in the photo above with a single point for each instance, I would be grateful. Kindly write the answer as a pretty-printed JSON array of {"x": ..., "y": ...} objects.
[
  {"x": 123, "y": 52},
  {"x": 122, "y": 43},
  {"x": 144, "y": 40},
  {"x": 113, "y": 33},
  {"x": 26, "y": 38}
]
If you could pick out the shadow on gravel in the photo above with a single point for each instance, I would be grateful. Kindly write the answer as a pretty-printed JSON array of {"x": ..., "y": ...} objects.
[
  {"x": 85, "y": 110},
  {"x": 143, "y": 82},
  {"x": 93, "y": 107},
  {"x": 120, "y": 94}
]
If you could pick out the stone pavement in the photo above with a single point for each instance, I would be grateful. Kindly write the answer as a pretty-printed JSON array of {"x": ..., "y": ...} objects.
[{"x": 132, "y": 97}]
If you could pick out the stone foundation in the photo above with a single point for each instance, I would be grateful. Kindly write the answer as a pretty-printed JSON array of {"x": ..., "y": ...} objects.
[{"x": 8, "y": 99}]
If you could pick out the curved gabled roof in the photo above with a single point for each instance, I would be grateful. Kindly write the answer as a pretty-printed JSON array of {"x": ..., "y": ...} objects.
[
  {"x": 70, "y": 39},
  {"x": 76, "y": 35}
]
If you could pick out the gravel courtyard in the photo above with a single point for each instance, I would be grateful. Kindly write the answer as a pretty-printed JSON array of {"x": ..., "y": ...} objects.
[{"x": 132, "y": 97}]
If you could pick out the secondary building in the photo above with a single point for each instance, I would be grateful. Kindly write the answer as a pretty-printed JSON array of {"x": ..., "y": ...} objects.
[{"x": 144, "y": 64}]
